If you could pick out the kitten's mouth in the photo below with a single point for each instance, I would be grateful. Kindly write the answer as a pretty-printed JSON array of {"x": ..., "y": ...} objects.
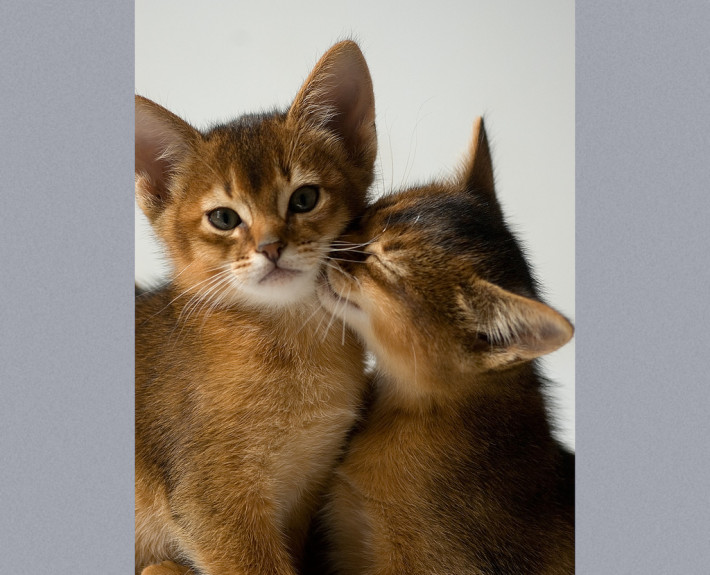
[{"x": 279, "y": 275}]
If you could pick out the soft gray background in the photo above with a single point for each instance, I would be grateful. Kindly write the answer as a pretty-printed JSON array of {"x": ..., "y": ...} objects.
[
  {"x": 66, "y": 288},
  {"x": 66, "y": 260},
  {"x": 643, "y": 272},
  {"x": 435, "y": 67}
]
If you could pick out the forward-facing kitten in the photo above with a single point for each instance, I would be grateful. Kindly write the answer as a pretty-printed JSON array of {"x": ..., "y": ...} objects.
[
  {"x": 243, "y": 397},
  {"x": 455, "y": 469}
]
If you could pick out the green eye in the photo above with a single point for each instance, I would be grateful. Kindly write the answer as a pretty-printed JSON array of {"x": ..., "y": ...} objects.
[
  {"x": 304, "y": 199},
  {"x": 224, "y": 219}
]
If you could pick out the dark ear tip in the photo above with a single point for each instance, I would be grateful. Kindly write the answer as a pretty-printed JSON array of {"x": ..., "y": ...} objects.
[
  {"x": 478, "y": 131},
  {"x": 558, "y": 331}
]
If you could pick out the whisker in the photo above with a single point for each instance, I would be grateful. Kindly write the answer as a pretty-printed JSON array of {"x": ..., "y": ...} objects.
[
  {"x": 342, "y": 339},
  {"x": 194, "y": 301},
  {"x": 319, "y": 308},
  {"x": 201, "y": 300},
  {"x": 347, "y": 260},
  {"x": 337, "y": 267},
  {"x": 214, "y": 303},
  {"x": 332, "y": 318},
  {"x": 352, "y": 245},
  {"x": 349, "y": 251},
  {"x": 185, "y": 291}
]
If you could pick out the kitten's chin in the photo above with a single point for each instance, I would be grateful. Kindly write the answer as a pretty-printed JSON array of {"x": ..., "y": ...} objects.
[{"x": 280, "y": 288}]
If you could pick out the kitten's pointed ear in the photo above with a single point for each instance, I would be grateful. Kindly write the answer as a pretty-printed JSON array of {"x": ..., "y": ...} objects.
[
  {"x": 506, "y": 328},
  {"x": 338, "y": 96},
  {"x": 162, "y": 141},
  {"x": 477, "y": 171}
]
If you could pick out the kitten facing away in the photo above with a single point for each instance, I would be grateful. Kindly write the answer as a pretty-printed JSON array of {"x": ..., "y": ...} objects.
[
  {"x": 455, "y": 469},
  {"x": 244, "y": 390}
]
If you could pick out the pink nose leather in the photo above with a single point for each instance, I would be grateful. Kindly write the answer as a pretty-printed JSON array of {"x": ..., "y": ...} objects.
[{"x": 271, "y": 250}]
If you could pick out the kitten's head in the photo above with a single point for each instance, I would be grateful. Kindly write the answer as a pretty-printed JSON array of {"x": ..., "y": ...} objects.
[
  {"x": 248, "y": 209},
  {"x": 436, "y": 284}
]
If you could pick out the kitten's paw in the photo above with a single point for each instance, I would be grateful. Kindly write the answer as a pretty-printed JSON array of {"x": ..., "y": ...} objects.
[{"x": 167, "y": 568}]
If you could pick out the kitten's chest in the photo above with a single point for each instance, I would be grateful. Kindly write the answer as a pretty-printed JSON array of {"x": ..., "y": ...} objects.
[
  {"x": 296, "y": 379},
  {"x": 292, "y": 392},
  {"x": 301, "y": 397}
]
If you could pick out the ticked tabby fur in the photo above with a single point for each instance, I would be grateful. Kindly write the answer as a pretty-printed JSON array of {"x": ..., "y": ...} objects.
[
  {"x": 455, "y": 470},
  {"x": 244, "y": 391}
]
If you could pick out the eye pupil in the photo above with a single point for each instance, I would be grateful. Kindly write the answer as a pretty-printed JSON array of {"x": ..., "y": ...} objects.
[
  {"x": 224, "y": 219},
  {"x": 304, "y": 199}
]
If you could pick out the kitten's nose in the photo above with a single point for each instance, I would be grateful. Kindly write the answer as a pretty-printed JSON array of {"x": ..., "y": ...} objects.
[{"x": 271, "y": 249}]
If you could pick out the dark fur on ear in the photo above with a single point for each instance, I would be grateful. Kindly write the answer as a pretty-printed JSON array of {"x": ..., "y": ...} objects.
[
  {"x": 478, "y": 168},
  {"x": 476, "y": 174},
  {"x": 338, "y": 96},
  {"x": 162, "y": 142}
]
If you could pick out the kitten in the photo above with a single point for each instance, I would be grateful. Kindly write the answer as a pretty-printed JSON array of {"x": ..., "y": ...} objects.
[
  {"x": 455, "y": 469},
  {"x": 243, "y": 397}
]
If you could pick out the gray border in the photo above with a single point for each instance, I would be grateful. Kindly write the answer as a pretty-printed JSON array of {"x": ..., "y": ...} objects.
[
  {"x": 643, "y": 230},
  {"x": 66, "y": 335},
  {"x": 66, "y": 320}
]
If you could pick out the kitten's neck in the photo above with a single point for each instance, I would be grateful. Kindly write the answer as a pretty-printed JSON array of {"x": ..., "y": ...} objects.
[
  {"x": 194, "y": 305},
  {"x": 304, "y": 321},
  {"x": 442, "y": 390}
]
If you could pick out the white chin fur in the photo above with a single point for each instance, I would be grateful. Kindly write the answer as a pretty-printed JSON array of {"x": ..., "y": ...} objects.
[{"x": 280, "y": 289}]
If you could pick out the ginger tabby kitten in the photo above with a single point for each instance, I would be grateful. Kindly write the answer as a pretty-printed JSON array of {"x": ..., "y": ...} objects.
[
  {"x": 454, "y": 470},
  {"x": 243, "y": 397}
]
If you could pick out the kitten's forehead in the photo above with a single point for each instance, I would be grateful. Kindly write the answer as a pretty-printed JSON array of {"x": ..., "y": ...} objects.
[
  {"x": 428, "y": 214},
  {"x": 251, "y": 148},
  {"x": 443, "y": 224},
  {"x": 259, "y": 157}
]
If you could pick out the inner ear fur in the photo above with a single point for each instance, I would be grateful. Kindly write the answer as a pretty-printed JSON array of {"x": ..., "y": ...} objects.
[
  {"x": 513, "y": 327},
  {"x": 162, "y": 142},
  {"x": 338, "y": 96}
]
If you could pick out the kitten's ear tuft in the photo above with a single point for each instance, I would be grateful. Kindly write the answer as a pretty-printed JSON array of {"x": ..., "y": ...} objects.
[
  {"x": 477, "y": 173},
  {"x": 162, "y": 142},
  {"x": 509, "y": 328},
  {"x": 338, "y": 96}
]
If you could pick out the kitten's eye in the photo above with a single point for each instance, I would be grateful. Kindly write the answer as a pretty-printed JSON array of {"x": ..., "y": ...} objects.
[
  {"x": 304, "y": 199},
  {"x": 224, "y": 219}
]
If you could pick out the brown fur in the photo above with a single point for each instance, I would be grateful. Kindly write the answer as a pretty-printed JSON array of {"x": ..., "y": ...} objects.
[
  {"x": 455, "y": 469},
  {"x": 244, "y": 390}
]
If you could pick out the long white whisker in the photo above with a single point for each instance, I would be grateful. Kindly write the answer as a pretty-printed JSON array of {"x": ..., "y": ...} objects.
[
  {"x": 342, "y": 340},
  {"x": 332, "y": 318},
  {"x": 185, "y": 291},
  {"x": 195, "y": 300},
  {"x": 337, "y": 267},
  {"x": 215, "y": 301},
  {"x": 201, "y": 299},
  {"x": 319, "y": 307},
  {"x": 352, "y": 245}
]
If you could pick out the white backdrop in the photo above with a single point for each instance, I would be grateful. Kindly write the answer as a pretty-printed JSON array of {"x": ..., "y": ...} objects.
[{"x": 435, "y": 67}]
